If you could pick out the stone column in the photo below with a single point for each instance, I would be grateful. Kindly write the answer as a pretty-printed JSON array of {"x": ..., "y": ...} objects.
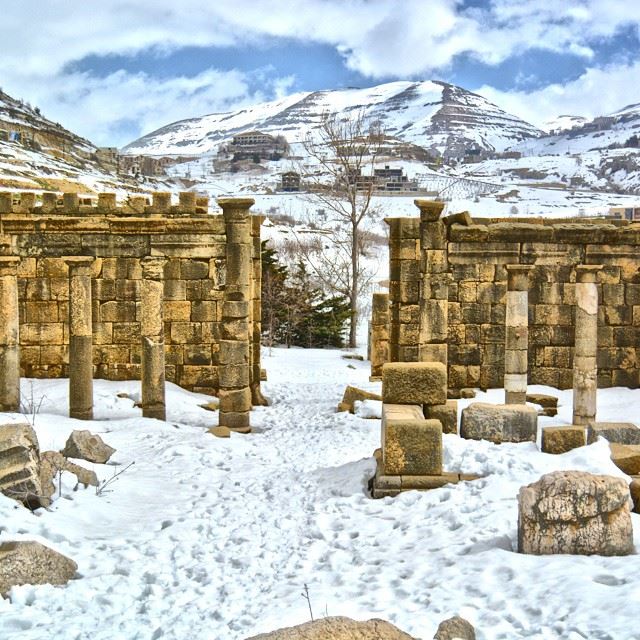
[
  {"x": 9, "y": 335},
  {"x": 80, "y": 338},
  {"x": 516, "y": 362},
  {"x": 152, "y": 336},
  {"x": 235, "y": 378},
  {"x": 404, "y": 289},
  {"x": 585, "y": 368},
  {"x": 257, "y": 399},
  {"x": 379, "y": 334},
  {"x": 434, "y": 285}
]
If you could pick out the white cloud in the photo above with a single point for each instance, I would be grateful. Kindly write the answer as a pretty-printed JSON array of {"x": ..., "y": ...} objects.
[
  {"x": 41, "y": 38},
  {"x": 596, "y": 92}
]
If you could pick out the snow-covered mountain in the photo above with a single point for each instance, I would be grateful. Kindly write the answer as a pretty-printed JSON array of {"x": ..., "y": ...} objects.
[{"x": 440, "y": 117}]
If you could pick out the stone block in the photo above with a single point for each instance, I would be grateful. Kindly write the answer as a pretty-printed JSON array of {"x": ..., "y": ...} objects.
[
  {"x": 561, "y": 439},
  {"x": 87, "y": 446},
  {"x": 499, "y": 423},
  {"x": 447, "y": 414},
  {"x": 353, "y": 394},
  {"x": 626, "y": 457},
  {"x": 414, "y": 383},
  {"x": 578, "y": 513},
  {"x": 19, "y": 464},
  {"x": 616, "y": 432},
  {"x": 29, "y": 562},
  {"x": 412, "y": 447}
]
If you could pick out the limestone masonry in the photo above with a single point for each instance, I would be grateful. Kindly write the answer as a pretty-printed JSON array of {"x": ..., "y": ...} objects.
[
  {"x": 112, "y": 291},
  {"x": 459, "y": 286}
]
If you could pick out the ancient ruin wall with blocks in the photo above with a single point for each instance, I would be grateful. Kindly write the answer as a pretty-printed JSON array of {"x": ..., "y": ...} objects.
[
  {"x": 448, "y": 284},
  {"x": 43, "y": 234}
]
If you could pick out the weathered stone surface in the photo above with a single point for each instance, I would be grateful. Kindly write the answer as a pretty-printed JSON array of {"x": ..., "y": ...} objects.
[
  {"x": 220, "y": 432},
  {"x": 455, "y": 628},
  {"x": 19, "y": 464},
  {"x": 447, "y": 414},
  {"x": 561, "y": 439},
  {"x": 618, "y": 432},
  {"x": 412, "y": 447},
  {"x": 575, "y": 512},
  {"x": 548, "y": 403},
  {"x": 353, "y": 394},
  {"x": 634, "y": 490},
  {"x": 337, "y": 628},
  {"x": 52, "y": 462},
  {"x": 414, "y": 383},
  {"x": 213, "y": 405},
  {"x": 499, "y": 423},
  {"x": 87, "y": 446},
  {"x": 626, "y": 457},
  {"x": 29, "y": 562}
]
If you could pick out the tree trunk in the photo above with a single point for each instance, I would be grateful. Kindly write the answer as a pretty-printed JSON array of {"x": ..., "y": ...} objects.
[{"x": 353, "y": 296}]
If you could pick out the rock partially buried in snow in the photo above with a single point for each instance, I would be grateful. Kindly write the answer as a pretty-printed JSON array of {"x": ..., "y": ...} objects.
[
  {"x": 29, "y": 562},
  {"x": 19, "y": 464},
  {"x": 575, "y": 512},
  {"x": 220, "y": 432},
  {"x": 338, "y": 628},
  {"x": 455, "y": 628},
  {"x": 87, "y": 446},
  {"x": 51, "y": 462},
  {"x": 353, "y": 395}
]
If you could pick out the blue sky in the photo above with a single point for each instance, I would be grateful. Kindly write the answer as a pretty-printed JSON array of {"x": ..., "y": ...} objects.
[{"x": 114, "y": 70}]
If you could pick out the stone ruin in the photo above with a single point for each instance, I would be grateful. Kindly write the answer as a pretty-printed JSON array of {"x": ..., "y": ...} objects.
[
  {"x": 503, "y": 303},
  {"x": 146, "y": 290}
]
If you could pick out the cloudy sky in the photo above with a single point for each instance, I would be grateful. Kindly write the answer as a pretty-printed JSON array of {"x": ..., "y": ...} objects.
[{"x": 112, "y": 70}]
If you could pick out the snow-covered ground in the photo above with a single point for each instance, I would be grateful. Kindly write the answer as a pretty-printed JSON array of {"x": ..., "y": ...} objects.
[{"x": 205, "y": 538}]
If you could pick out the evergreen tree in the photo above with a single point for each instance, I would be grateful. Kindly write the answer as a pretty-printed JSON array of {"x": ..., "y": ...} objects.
[{"x": 295, "y": 311}]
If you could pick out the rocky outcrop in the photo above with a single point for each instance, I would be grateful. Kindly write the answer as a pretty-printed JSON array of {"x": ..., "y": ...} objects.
[
  {"x": 87, "y": 446},
  {"x": 455, "y": 628},
  {"x": 337, "y": 628},
  {"x": 575, "y": 512},
  {"x": 29, "y": 562},
  {"x": 19, "y": 464}
]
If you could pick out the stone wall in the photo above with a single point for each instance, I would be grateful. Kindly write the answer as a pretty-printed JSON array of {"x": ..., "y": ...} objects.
[
  {"x": 194, "y": 244},
  {"x": 477, "y": 253}
]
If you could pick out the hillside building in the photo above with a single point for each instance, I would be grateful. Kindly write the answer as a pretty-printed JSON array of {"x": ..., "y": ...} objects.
[
  {"x": 625, "y": 213},
  {"x": 290, "y": 182}
]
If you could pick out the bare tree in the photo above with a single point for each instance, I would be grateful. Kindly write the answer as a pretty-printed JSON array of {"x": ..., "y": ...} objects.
[{"x": 346, "y": 150}]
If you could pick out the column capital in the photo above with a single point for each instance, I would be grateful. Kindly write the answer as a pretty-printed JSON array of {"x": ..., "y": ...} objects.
[
  {"x": 9, "y": 265},
  {"x": 430, "y": 210},
  {"x": 153, "y": 267},
  {"x": 79, "y": 265},
  {"x": 235, "y": 209},
  {"x": 518, "y": 276},
  {"x": 588, "y": 272}
]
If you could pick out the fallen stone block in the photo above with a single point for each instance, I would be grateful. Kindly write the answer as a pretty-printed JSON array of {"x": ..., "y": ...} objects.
[
  {"x": 214, "y": 405},
  {"x": 455, "y": 628},
  {"x": 220, "y": 432},
  {"x": 499, "y": 423},
  {"x": 414, "y": 383},
  {"x": 337, "y": 628},
  {"x": 352, "y": 395},
  {"x": 558, "y": 440},
  {"x": 548, "y": 403},
  {"x": 577, "y": 513},
  {"x": 618, "y": 432},
  {"x": 32, "y": 563},
  {"x": 447, "y": 414},
  {"x": 19, "y": 464},
  {"x": 87, "y": 446},
  {"x": 626, "y": 457},
  {"x": 53, "y": 462},
  {"x": 412, "y": 447},
  {"x": 467, "y": 393}
]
